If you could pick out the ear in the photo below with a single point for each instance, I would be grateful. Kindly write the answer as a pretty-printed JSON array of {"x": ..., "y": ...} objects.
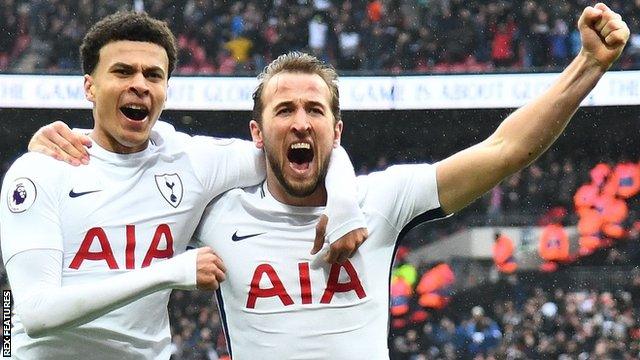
[
  {"x": 256, "y": 134},
  {"x": 89, "y": 88},
  {"x": 337, "y": 134}
]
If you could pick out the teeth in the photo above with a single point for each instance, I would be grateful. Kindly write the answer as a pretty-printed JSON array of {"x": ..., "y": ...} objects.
[
  {"x": 301, "y": 146},
  {"x": 136, "y": 107}
]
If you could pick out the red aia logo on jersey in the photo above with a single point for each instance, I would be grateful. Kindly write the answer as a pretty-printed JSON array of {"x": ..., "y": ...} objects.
[
  {"x": 278, "y": 289},
  {"x": 106, "y": 254}
]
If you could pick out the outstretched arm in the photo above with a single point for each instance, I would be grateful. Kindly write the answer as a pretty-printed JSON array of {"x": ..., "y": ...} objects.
[{"x": 529, "y": 131}]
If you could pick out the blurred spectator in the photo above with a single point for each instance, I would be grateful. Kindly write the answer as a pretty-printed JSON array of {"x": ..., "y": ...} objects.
[
  {"x": 240, "y": 48},
  {"x": 494, "y": 208},
  {"x": 503, "y": 251},
  {"x": 539, "y": 38},
  {"x": 15, "y": 30},
  {"x": 560, "y": 43},
  {"x": 318, "y": 36},
  {"x": 435, "y": 287},
  {"x": 348, "y": 42},
  {"x": 503, "y": 46},
  {"x": 553, "y": 246},
  {"x": 480, "y": 333}
]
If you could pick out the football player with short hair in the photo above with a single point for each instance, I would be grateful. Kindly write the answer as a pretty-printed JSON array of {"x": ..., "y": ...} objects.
[
  {"x": 278, "y": 302},
  {"x": 92, "y": 252}
]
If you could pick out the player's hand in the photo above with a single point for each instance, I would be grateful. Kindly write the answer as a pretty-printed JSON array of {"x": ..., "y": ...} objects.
[
  {"x": 210, "y": 269},
  {"x": 58, "y": 141},
  {"x": 343, "y": 248},
  {"x": 603, "y": 34}
]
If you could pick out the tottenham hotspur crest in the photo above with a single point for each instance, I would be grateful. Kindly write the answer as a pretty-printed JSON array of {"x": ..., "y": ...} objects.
[{"x": 170, "y": 187}]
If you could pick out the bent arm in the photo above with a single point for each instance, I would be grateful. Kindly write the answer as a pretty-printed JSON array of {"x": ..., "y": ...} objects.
[{"x": 45, "y": 306}]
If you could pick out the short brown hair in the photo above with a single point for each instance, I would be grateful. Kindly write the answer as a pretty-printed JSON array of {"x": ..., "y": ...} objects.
[
  {"x": 126, "y": 25},
  {"x": 297, "y": 62}
]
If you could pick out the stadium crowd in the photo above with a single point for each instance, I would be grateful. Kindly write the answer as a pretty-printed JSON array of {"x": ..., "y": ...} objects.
[
  {"x": 376, "y": 36},
  {"x": 522, "y": 321},
  {"x": 527, "y": 322}
]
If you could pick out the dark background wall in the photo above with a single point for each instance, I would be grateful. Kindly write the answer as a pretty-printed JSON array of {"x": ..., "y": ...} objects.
[{"x": 596, "y": 133}]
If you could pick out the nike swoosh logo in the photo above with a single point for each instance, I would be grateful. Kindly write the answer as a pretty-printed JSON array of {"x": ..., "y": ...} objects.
[
  {"x": 236, "y": 237},
  {"x": 74, "y": 194}
]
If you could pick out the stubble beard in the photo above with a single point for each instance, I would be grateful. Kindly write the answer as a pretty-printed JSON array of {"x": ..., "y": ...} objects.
[{"x": 297, "y": 189}]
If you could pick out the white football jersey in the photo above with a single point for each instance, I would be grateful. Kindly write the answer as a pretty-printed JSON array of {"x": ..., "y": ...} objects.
[
  {"x": 279, "y": 302},
  {"x": 119, "y": 213}
]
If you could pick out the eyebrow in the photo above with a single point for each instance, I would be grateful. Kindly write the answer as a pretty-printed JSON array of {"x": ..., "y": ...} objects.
[
  {"x": 307, "y": 104},
  {"x": 316, "y": 103},
  {"x": 283, "y": 104},
  {"x": 130, "y": 67}
]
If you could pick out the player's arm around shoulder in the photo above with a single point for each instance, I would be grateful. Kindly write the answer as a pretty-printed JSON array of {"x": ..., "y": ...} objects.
[
  {"x": 226, "y": 163},
  {"x": 62, "y": 143}
]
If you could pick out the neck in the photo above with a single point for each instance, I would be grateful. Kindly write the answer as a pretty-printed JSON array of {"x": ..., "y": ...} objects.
[
  {"x": 317, "y": 198},
  {"x": 112, "y": 145}
]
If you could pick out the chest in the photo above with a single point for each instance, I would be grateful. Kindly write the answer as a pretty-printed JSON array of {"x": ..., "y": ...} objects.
[
  {"x": 270, "y": 268},
  {"x": 128, "y": 218}
]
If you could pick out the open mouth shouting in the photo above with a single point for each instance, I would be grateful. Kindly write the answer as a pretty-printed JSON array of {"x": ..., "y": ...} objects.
[
  {"x": 135, "y": 112},
  {"x": 300, "y": 156}
]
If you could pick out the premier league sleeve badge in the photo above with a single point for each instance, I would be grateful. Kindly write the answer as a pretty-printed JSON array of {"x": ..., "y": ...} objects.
[{"x": 21, "y": 195}]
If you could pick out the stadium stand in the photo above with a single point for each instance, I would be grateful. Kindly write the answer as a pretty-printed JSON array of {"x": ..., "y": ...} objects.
[
  {"x": 525, "y": 321},
  {"x": 235, "y": 37}
]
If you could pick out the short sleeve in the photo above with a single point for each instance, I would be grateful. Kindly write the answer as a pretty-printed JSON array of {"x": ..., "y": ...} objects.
[{"x": 403, "y": 194}]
